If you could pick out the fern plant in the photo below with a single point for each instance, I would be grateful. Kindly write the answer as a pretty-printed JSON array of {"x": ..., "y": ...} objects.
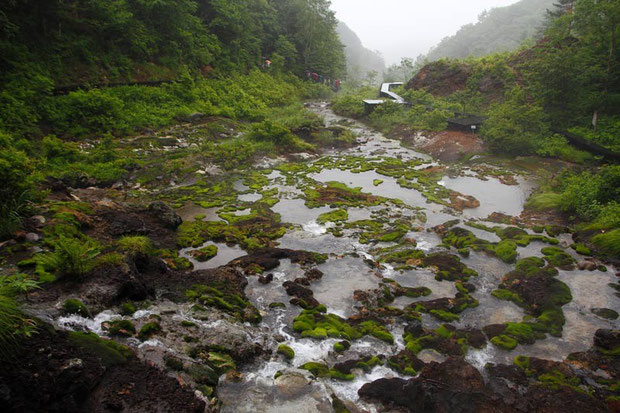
[
  {"x": 72, "y": 258},
  {"x": 13, "y": 323}
]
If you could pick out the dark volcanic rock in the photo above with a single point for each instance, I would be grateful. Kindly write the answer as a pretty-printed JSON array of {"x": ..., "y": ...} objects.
[
  {"x": 165, "y": 214},
  {"x": 607, "y": 339},
  {"x": 51, "y": 373},
  {"x": 301, "y": 293},
  {"x": 265, "y": 279},
  {"x": 452, "y": 386}
]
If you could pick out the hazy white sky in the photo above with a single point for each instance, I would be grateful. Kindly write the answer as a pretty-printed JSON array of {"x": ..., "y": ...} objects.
[{"x": 407, "y": 28}]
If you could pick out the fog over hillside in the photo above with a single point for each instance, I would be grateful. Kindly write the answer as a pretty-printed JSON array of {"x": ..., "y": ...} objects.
[
  {"x": 360, "y": 60},
  {"x": 499, "y": 29}
]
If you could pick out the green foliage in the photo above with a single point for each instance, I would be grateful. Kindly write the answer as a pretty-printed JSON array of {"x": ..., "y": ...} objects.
[
  {"x": 515, "y": 126},
  {"x": 314, "y": 324},
  {"x": 608, "y": 243},
  {"x": 556, "y": 146},
  {"x": 321, "y": 370},
  {"x": 351, "y": 105},
  {"x": 277, "y": 135},
  {"x": 213, "y": 296},
  {"x": 71, "y": 258},
  {"x": 497, "y": 30},
  {"x": 205, "y": 254},
  {"x": 134, "y": 245},
  {"x": 444, "y": 315},
  {"x": 14, "y": 325},
  {"x": 544, "y": 201},
  {"x": 83, "y": 112},
  {"x": 17, "y": 189}
]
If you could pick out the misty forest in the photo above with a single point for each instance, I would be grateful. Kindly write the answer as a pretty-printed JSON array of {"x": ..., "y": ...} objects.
[{"x": 240, "y": 206}]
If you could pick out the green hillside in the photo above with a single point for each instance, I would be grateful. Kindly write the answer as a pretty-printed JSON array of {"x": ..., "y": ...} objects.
[{"x": 498, "y": 30}]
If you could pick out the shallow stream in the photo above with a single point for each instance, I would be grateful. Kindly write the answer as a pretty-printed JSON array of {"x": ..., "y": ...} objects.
[
  {"x": 347, "y": 270},
  {"x": 346, "y": 273}
]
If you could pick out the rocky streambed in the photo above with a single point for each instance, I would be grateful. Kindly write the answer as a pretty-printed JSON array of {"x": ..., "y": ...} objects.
[{"x": 371, "y": 278}]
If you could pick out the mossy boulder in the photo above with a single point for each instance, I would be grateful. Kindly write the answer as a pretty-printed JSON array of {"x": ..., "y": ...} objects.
[
  {"x": 217, "y": 296},
  {"x": 505, "y": 342},
  {"x": 321, "y": 370},
  {"x": 109, "y": 352},
  {"x": 149, "y": 330},
  {"x": 286, "y": 351},
  {"x": 606, "y": 313},
  {"x": 341, "y": 346},
  {"x": 128, "y": 308},
  {"x": 75, "y": 306},
  {"x": 205, "y": 254},
  {"x": 123, "y": 328},
  {"x": 557, "y": 257}
]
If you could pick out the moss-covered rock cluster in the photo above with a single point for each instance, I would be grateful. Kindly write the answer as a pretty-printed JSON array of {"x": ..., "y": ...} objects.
[
  {"x": 317, "y": 324},
  {"x": 532, "y": 286},
  {"x": 218, "y": 297},
  {"x": 506, "y": 249}
]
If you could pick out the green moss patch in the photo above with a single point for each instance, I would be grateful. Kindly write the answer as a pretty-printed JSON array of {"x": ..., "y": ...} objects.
[
  {"x": 315, "y": 324},
  {"x": 233, "y": 304},
  {"x": 110, "y": 352},
  {"x": 74, "y": 306},
  {"x": 558, "y": 257},
  {"x": 204, "y": 254},
  {"x": 505, "y": 342},
  {"x": 253, "y": 232},
  {"x": 321, "y": 370},
  {"x": 286, "y": 351},
  {"x": 338, "y": 215},
  {"x": 123, "y": 328},
  {"x": 149, "y": 330}
]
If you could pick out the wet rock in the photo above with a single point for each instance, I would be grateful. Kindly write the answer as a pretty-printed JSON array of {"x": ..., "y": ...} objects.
[
  {"x": 301, "y": 293},
  {"x": 415, "y": 328},
  {"x": 167, "y": 141},
  {"x": 36, "y": 221},
  {"x": 165, "y": 214},
  {"x": 450, "y": 386},
  {"x": 196, "y": 117},
  {"x": 134, "y": 290},
  {"x": 232, "y": 338},
  {"x": 294, "y": 391},
  {"x": 265, "y": 279},
  {"x": 607, "y": 313},
  {"x": 607, "y": 339},
  {"x": 56, "y": 371},
  {"x": 475, "y": 337},
  {"x": 562, "y": 399},
  {"x": 587, "y": 266},
  {"x": 314, "y": 274},
  {"x": 269, "y": 258},
  {"x": 302, "y": 281},
  {"x": 32, "y": 237}
]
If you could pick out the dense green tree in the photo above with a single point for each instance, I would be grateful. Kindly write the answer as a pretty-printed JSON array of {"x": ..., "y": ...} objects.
[{"x": 515, "y": 126}]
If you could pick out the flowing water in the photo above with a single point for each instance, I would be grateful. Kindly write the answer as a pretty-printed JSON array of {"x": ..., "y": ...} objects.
[
  {"x": 347, "y": 270},
  {"x": 346, "y": 273}
]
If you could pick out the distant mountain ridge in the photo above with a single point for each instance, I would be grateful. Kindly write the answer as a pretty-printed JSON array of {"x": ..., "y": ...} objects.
[
  {"x": 500, "y": 29},
  {"x": 360, "y": 60}
]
